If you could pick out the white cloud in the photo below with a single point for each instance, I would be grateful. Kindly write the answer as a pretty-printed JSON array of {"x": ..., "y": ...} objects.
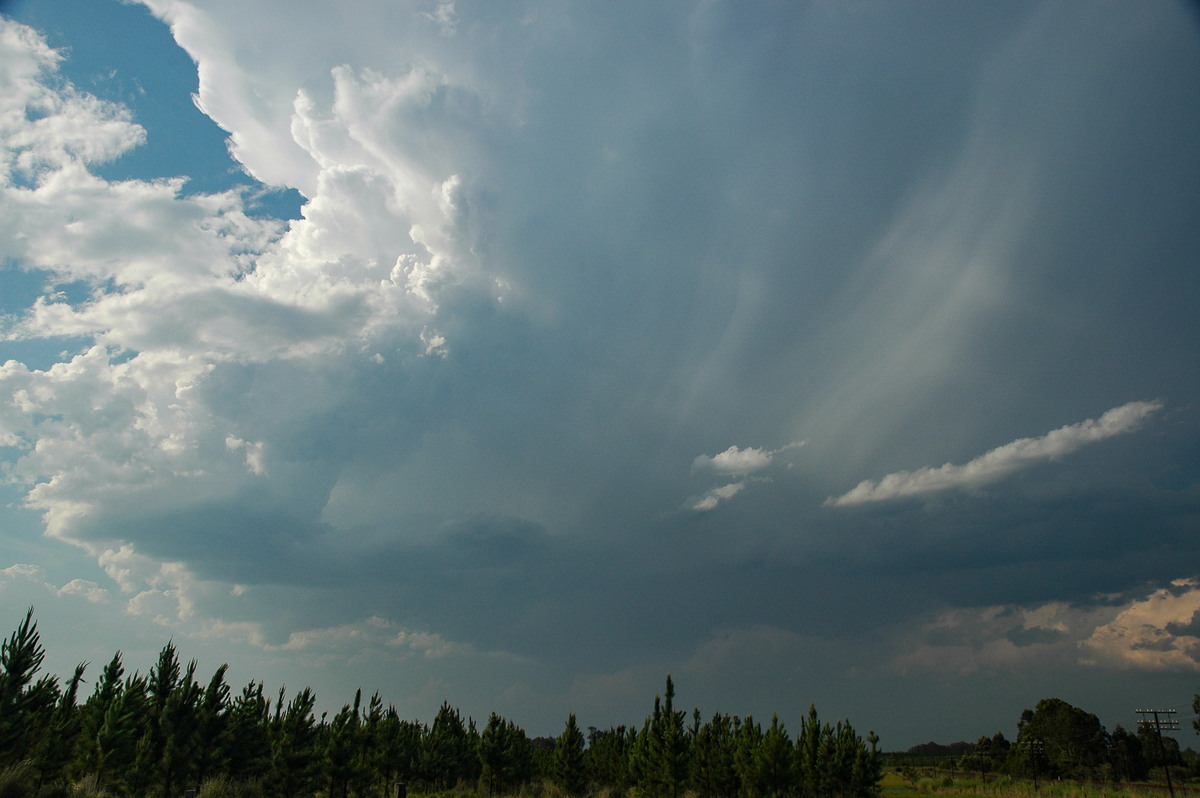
[
  {"x": 710, "y": 500},
  {"x": 1157, "y": 633},
  {"x": 1001, "y": 461},
  {"x": 86, "y": 589},
  {"x": 735, "y": 461}
]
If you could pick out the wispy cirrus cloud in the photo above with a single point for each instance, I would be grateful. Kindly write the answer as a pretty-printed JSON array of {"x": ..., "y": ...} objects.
[{"x": 1001, "y": 461}]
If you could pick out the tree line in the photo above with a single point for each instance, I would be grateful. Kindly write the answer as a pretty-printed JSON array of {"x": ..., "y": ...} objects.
[
  {"x": 1056, "y": 740},
  {"x": 166, "y": 732}
]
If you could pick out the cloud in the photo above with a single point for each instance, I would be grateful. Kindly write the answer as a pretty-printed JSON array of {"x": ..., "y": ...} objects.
[
  {"x": 1154, "y": 633},
  {"x": 1001, "y": 461},
  {"x": 734, "y": 461},
  {"x": 450, "y": 409},
  {"x": 710, "y": 500}
]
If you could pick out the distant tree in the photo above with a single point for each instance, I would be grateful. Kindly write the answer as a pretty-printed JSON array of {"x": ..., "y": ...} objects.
[
  {"x": 1075, "y": 744},
  {"x": 1158, "y": 750},
  {"x": 1126, "y": 760}
]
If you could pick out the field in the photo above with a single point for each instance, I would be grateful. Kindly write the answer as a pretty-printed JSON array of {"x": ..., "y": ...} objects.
[{"x": 903, "y": 784}]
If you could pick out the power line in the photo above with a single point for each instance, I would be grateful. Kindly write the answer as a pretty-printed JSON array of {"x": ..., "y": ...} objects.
[{"x": 1160, "y": 720}]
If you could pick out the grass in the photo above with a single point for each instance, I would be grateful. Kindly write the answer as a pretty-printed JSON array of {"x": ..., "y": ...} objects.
[{"x": 896, "y": 784}]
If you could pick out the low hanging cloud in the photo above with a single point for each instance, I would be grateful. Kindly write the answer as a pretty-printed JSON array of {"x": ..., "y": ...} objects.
[{"x": 1001, "y": 461}]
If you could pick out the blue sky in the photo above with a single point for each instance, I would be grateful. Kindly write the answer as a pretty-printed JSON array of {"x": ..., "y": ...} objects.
[{"x": 515, "y": 355}]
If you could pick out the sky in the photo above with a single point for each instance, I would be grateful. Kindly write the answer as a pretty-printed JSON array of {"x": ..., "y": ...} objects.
[{"x": 516, "y": 355}]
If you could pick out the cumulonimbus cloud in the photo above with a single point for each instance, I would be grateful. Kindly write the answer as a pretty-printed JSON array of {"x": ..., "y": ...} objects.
[{"x": 1001, "y": 461}]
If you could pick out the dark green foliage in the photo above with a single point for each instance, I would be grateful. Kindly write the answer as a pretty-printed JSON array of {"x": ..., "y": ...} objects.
[
  {"x": 25, "y": 704},
  {"x": 569, "y": 764},
  {"x": 713, "y": 772},
  {"x": 505, "y": 757},
  {"x": 247, "y": 752},
  {"x": 774, "y": 762},
  {"x": 1126, "y": 757},
  {"x": 607, "y": 757},
  {"x": 295, "y": 753},
  {"x": 447, "y": 755},
  {"x": 164, "y": 733},
  {"x": 661, "y": 750},
  {"x": 1072, "y": 742}
]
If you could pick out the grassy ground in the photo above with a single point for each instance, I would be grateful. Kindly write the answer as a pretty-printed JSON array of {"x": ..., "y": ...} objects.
[{"x": 897, "y": 785}]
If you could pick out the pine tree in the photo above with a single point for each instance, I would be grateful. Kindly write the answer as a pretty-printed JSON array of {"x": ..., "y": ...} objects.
[
  {"x": 569, "y": 764},
  {"x": 661, "y": 752},
  {"x": 608, "y": 757},
  {"x": 341, "y": 742},
  {"x": 26, "y": 706},
  {"x": 58, "y": 746},
  {"x": 809, "y": 752},
  {"x": 775, "y": 760},
  {"x": 713, "y": 772},
  {"x": 295, "y": 753},
  {"x": 747, "y": 741},
  {"x": 447, "y": 750},
  {"x": 178, "y": 729},
  {"x": 247, "y": 749},
  {"x": 212, "y": 718}
]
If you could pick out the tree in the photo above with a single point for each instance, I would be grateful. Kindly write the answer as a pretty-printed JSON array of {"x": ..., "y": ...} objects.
[
  {"x": 246, "y": 754},
  {"x": 713, "y": 771},
  {"x": 663, "y": 748},
  {"x": 775, "y": 761},
  {"x": 212, "y": 727},
  {"x": 569, "y": 765},
  {"x": 59, "y": 744},
  {"x": 446, "y": 750},
  {"x": 608, "y": 755},
  {"x": 505, "y": 758},
  {"x": 341, "y": 743},
  {"x": 810, "y": 753},
  {"x": 295, "y": 753},
  {"x": 1126, "y": 758},
  {"x": 26, "y": 706},
  {"x": 178, "y": 731},
  {"x": 1074, "y": 741}
]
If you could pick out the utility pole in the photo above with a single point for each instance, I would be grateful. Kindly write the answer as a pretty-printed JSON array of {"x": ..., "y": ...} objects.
[
  {"x": 1034, "y": 751},
  {"x": 1150, "y": 718}
]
